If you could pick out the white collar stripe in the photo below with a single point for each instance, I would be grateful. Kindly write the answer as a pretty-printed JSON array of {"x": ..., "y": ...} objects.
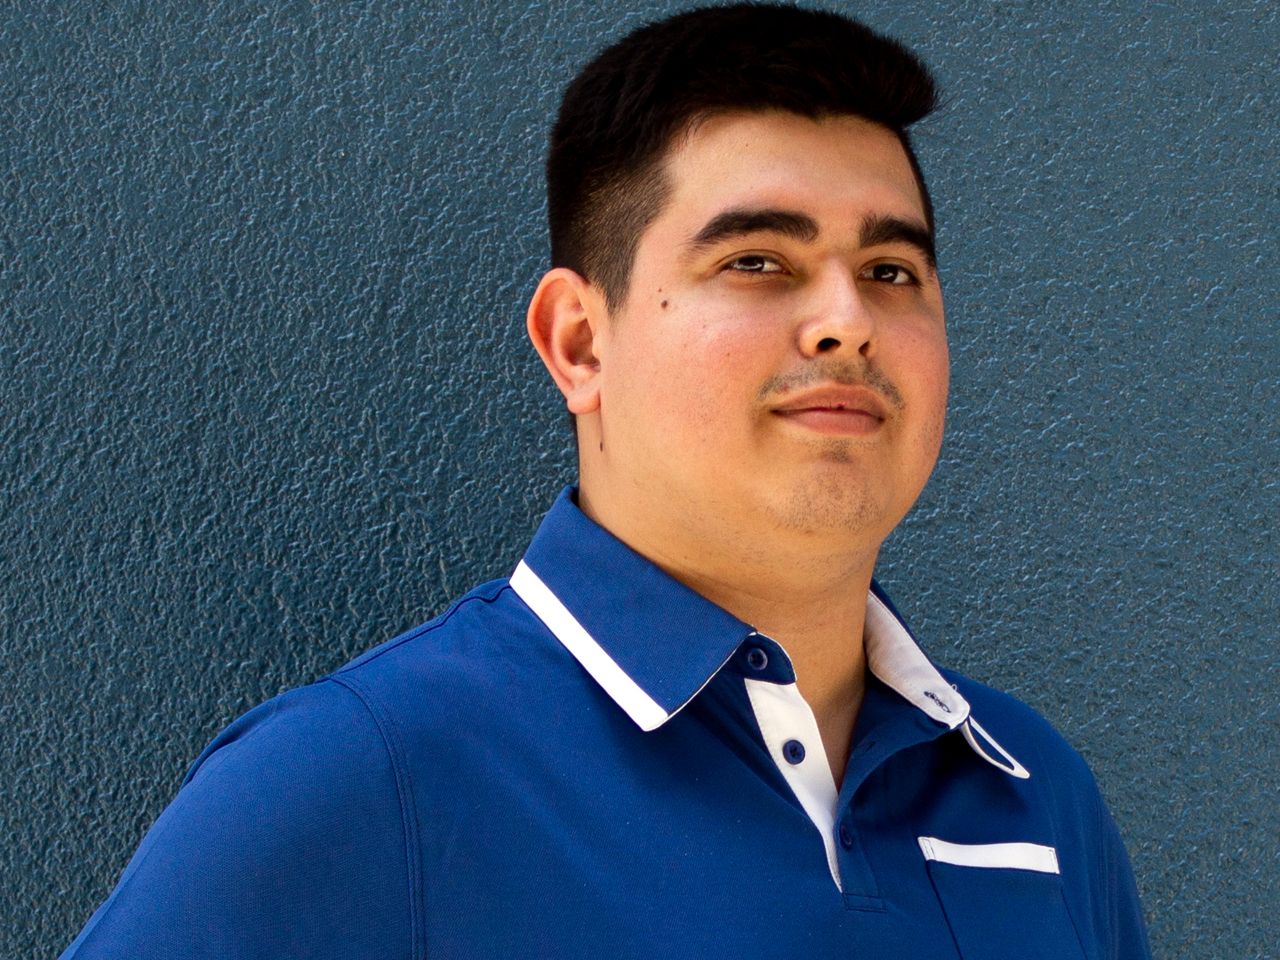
[
  {"x": 896, "y": 659},
  {"x": 638, "y": 705},
  {"x": 892, "y": 655}
]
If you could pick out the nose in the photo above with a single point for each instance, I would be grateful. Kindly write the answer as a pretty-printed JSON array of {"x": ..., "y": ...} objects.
[{"x": 837, "y": 320}]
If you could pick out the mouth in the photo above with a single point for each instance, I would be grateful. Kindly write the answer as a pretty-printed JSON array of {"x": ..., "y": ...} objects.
[
  {"x": 835, "y": 421},
  {"x": 836, "y": 410}
]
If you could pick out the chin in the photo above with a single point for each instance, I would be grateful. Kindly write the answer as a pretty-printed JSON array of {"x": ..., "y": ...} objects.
[{"x": 823, "y": 510}]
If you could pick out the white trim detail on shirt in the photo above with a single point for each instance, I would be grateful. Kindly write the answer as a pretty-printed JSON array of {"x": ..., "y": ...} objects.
[
  {"x": 1013, "y": 856},
  {"x": 972, "y": 730},
  {"x": 783, "y": 714},
  {"x": 639, "y": 706},
  {"x": 892, "y": 655},
  {"x": 896, "y": 659}
]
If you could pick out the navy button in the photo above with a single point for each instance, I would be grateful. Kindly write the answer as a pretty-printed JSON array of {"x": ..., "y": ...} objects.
[
  {"x": 846, "y": 838},
  {"x": 757, "y": 659},
  {"x": 793, "y": 750}
]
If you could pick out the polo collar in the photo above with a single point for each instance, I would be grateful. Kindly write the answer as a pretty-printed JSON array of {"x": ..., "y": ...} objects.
[{"x": 652, "y": 643}]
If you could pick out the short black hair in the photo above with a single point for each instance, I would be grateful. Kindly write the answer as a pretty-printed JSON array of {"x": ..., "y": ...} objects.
[{"x": 605, "y": 180}]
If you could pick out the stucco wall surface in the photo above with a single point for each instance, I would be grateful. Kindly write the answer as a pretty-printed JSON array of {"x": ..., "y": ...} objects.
[{"x": 266, "y": 397}]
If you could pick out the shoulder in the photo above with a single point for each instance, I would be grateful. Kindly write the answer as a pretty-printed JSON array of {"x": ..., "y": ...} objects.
[
  {"x": 470, "y": 634},
  {"x": 318, "y": 729},
  {"x": 286, "y": 838},
  {"x": 485, "y": 661},
  {"x": 340, "y": 727},
  {"x": 346, "y": 729},
  {"x": 295, "y": 832},
  {"x": 282, "y": 787}
]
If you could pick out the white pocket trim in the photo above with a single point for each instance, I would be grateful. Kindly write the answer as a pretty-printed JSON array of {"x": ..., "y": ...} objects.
[{"x": 1015, "y": 856}]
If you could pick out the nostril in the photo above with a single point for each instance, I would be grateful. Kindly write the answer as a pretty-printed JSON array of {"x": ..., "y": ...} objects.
[{"x": 828, "y": 343}]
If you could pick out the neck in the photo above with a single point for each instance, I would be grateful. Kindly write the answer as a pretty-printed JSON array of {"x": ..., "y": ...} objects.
[{"x": 793, "y": 584}]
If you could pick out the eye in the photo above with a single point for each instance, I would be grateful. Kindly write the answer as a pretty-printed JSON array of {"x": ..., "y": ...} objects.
[
  {"x": 891, "y": 273},
  {"x": 753, "y": 263}
]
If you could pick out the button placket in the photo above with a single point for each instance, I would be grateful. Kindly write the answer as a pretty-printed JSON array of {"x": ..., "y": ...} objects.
[
  {"x": 787, "y": 724},
  {"x": 859, "y": 883}
]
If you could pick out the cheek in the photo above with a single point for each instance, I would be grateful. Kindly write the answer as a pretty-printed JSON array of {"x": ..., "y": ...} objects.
[
  {"x": 702, "y": 363},
  {"x": 922, "y": 371},
  {"x": 935, "y": 374},
  {"x": 736, "y": 357},
  {"x": 925, "y": 342}
]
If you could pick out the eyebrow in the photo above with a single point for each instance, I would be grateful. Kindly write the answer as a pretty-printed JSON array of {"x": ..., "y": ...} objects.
[
  {"x": 878, "y": 229},
  {"x": 875, "y": 229},
  {"x": 738, "y": 222}
]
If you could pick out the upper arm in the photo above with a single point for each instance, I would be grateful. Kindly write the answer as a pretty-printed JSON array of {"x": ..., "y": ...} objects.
[
  {"x": 1126, "y": 928},
  {"x": 287, "y": 839}
]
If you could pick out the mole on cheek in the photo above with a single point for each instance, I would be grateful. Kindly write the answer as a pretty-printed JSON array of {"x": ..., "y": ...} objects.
[{"x": 664, "y": 304}]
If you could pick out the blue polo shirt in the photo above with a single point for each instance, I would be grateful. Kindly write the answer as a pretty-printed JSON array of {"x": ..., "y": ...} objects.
[{"x": 590, "y": 760}]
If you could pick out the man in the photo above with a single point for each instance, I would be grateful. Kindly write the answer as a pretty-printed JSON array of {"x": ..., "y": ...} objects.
[{"x": 689, "y": 724}]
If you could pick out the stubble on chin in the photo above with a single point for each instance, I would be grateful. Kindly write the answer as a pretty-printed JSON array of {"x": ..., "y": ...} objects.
[{"x": 821, "y": 505}]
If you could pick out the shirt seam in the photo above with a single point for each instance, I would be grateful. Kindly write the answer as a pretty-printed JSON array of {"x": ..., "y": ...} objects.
[
  {"x": 1105, "y": 861},
  {"x": 408, "y": 814},
  {"x": 207, "y": 762},
  {"x": 421, "y": 631}
]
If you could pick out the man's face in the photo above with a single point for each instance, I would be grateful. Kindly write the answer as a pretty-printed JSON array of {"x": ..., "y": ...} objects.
[{"x": 781, "y": 357}]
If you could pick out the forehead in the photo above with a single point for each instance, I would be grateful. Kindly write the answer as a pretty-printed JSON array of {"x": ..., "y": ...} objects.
[{"x": 835, "y": 168}]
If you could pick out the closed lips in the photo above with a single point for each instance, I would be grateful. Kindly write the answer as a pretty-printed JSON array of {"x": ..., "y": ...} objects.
[{"x": 851, "y": 399}]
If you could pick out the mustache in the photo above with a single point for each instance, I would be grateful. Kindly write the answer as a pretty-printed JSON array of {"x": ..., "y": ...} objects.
[{"x": 842, "y": 372}]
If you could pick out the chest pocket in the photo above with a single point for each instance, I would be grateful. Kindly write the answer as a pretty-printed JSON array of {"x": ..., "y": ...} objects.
[{"x": 1002, "y": 901}]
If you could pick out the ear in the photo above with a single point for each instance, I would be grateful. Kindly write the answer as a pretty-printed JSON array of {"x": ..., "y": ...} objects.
[{"x": 564, "y": 325}]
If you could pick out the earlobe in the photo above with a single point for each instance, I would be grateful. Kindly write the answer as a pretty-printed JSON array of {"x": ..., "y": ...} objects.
[{"x": 563, "y": 326}]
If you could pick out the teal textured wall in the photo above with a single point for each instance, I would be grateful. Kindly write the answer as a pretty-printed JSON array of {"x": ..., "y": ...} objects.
[{"x": 267, "y": 401}]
